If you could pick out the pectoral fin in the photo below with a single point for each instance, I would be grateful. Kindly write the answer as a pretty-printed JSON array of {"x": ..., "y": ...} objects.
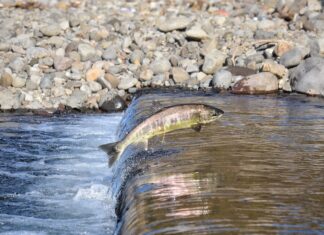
[{"x": 196, "y": 127}]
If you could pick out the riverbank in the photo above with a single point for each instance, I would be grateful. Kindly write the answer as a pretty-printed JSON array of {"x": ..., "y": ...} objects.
[{"x": 94, "y": 55}]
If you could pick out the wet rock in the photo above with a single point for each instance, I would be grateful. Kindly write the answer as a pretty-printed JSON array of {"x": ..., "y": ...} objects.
[
  {"x": 9, "y": 100},
  {"x": 291, "y": 58},
  {"x": 6, "y": 79},
  {"x": 116, "y": 104},
  {"x": 277, "y": 69},
  {"x": 308, "y": 77},
  {"x": 77, "y": 99},
  {"x": 173, "y": 23},
  {"x": 261, "y": 83},
  {"x": 86, "y": 51},
  {"x": 127, "y": 82},
  {"x": 222, "y": 79},
  {"x": 51, "y": 30},
  {"x": 160, "y": 66},
  {"x": 179, "y": 75},
  {"x": 213, "y": 61}
]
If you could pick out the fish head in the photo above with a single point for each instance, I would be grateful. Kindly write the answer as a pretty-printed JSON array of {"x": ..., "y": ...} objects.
[{"x": 210, "y": 113}]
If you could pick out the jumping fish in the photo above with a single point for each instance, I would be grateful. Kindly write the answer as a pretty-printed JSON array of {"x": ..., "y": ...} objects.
[{"x": 165, "y": 120}]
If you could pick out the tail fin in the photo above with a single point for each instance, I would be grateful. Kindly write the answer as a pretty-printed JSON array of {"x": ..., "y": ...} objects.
[{"x": 112, "y": 152}]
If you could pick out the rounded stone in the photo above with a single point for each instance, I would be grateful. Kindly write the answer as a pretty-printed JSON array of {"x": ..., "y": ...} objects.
[
  {"x": 222, "y": 79},
  {"x": 160, "y": 66}
]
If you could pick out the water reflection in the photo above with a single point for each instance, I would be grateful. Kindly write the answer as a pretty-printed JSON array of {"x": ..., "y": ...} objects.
[{"x": 257, "y": 170}]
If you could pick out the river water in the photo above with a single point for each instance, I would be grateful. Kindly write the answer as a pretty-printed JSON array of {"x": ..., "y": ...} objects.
[
  {"x": 53, "y": 177},
  {"x": 257, "y": 170}
]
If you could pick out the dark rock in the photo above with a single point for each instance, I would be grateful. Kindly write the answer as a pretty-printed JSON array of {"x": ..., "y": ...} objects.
[
  {"x": 291, "y": 58},
  {"x": 116, "y": 104}
]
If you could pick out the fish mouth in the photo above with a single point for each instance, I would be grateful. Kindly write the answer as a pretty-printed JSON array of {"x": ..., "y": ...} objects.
[{"x": 218, "y": 113}]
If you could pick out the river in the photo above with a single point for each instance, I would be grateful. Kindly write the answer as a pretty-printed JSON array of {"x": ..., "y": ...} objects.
[{"x": 257, "y": 170}]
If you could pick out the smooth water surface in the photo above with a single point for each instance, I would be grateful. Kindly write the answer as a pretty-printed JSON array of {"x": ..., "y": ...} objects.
[
  {"x": 53, "y": 177},
  {"x": 257, "y": 170}
]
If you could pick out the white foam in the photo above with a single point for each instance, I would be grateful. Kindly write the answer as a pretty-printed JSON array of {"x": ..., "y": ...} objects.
[{"x": 94, "y": 192}]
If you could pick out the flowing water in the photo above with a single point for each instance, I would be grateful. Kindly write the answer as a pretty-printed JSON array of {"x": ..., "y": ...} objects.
[
  {"x": 257, "y": 170},
  {"x": 53, "y": 177}
]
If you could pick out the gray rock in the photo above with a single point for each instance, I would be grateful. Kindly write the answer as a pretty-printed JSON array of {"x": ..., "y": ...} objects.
[
  {"x": 160, "y": 66},
  {"x": 9, "y": 100},
  {"x": 18, "y": 65},
  {"x": 291, "y": 58},
  {"x": 86, "y": 51},
  {"x": 179, "y": 75},
  {"x": 48, "y": 61},
  {"x": 51, "y": 30},
  {"x": 222, "y": 79},
  {"x": 158, "y": 80},
  {"x": 94, "y": 86},
  {"x": 127, "y": 82},
  {"x": 137, "y": 57},
  {"x": 260, "y": 83},
  {"x": 62, "y": 63},
  {"x": 18, "y": 82},
  {"x": 113, "y": 80},
  {"x": 308, "y": 77},
  {"x": 77, "y": 99},
  {"x": 46, "y": 82},
  {"x": 173, "y": 23},
  {"x": 37, "y": 53},
  {"x": 110, "y": 53},
  {"x": 30, "y": 85},
  {"x": 213, "y": 61}
]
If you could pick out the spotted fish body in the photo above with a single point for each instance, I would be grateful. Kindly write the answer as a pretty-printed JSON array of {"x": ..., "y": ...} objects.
[{"x": 166, "y": 120}]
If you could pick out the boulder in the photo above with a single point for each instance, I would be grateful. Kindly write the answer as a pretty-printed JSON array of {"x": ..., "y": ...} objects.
[
  {"x": 308, "y": 77},
  {"x": 260, "y": 83}
]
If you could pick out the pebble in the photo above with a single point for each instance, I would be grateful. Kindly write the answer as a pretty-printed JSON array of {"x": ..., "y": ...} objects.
[
  {"x": 93, "y": 74},
  {"x": 86, "y": 51},
  {"x": 46, "y": 82},
  {"x": 17, "y": 65},
  {"x": 222, "y": 79},
  {"x": 173, "y": 23},
  {"x": 18, "y": 82},
  {"x": 6, "y": 79},
  {"x": 110, "y": 53},
  {"x": 9, "y": 100},
  {"x": 51, "y": 30},
  {"x": 213, "y": 61},
  {"x": 77, "y": 99},
  {"x": 62, "y": 63},
  {"x": 179, "y": 75},
  {"x": 160, "y": 66},
  {"x": 137, "y": 57},
  {"x": 146, "y": 74},
  {"x": 196, "y": 33},
  {"x": 158, "y": 80},
  {"x": 127, "y": 82},
  {"x": 113, "y": 80},
  {"x": 94, "y": 86},
  {"x": 282, "y": 47}
]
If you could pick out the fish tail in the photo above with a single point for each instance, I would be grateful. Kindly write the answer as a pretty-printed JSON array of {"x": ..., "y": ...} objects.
[{"x": 112, "y": 152}]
